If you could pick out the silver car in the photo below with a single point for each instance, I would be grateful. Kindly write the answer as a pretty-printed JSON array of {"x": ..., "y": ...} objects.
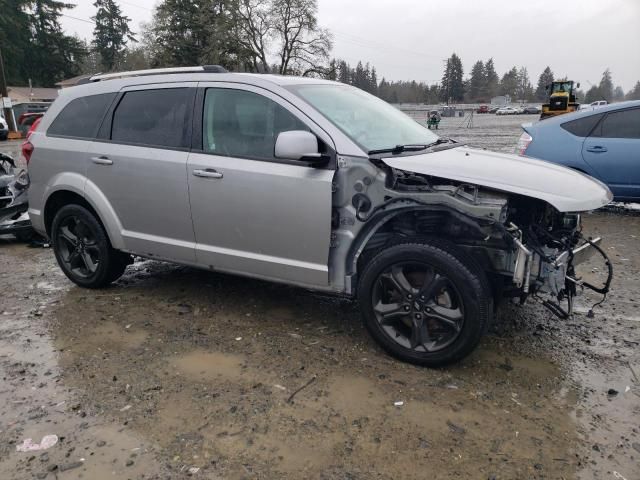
[{"x": 311, "y": 183}]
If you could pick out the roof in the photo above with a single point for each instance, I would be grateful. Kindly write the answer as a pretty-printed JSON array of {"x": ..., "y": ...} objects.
[
  {"x": 587, "y": 112},
  {"x": 27, "y": 94},
  {"x": 70, "y": 82}
]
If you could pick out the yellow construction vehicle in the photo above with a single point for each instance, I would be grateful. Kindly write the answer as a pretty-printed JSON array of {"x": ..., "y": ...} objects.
[{"x": 562, "y": 99}]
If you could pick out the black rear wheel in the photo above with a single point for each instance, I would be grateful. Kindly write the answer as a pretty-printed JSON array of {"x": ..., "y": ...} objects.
[
  {"x": 83, "y": 250},
  {"x": 425, "y": 303}
]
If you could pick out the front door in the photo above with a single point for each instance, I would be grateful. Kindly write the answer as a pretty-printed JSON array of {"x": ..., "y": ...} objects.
[
  {"x": 252, "y": 213},
  {"x": 613, "y": 150},
  {"x": 140, "y": 167}
]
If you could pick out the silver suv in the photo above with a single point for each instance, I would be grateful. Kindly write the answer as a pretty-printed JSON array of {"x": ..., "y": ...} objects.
[{"x": 311, "y": 183}]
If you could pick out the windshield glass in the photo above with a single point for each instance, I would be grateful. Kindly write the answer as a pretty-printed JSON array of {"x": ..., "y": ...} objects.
[
  {"x": 562, "y": 87},
  {"x": 370, "y": 122}
]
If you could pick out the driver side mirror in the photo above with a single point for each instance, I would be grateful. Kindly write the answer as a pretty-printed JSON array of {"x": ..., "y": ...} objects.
[{"x": 299, "y": 145}]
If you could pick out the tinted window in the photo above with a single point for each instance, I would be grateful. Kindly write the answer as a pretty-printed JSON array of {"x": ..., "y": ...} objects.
[
  {"x": 153, "y": 117},
  {"x": 622, "y": 124},
  {"x": 244, "y": 124},
  {"x": 583, "y": 126},
  {"x": 81, "y": 117}
]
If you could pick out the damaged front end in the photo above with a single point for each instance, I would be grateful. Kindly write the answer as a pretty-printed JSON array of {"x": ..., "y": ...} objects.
[{"x": 14, "y": 186}]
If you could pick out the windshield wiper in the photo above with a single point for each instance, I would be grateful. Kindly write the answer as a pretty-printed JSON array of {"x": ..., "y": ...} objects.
[{"x": 410, "y": 147}]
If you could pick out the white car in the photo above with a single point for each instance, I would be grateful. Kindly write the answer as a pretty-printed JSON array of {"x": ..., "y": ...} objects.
[{"x": 507, "y": 111}]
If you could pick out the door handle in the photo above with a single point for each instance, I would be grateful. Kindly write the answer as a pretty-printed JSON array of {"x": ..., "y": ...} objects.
[
  {"x": 207, "y": 173},
  {"x": 597, "y": 149},
  {"x": 102, "y": 160}
]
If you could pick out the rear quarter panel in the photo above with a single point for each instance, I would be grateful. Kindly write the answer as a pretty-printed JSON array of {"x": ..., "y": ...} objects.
[{"x": 554, "y": 144}]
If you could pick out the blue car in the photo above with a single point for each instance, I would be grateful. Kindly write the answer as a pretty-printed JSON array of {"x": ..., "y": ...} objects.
[{"x": 603, "y": 143}]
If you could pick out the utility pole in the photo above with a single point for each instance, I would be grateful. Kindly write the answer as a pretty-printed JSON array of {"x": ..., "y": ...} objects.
[{"x": 8, "y": 115}]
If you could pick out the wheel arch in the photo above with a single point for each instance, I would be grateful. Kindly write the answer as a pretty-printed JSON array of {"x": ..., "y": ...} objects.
[
  {"x": 63, "y": 196},
  {"x": 374, "y": 225}
]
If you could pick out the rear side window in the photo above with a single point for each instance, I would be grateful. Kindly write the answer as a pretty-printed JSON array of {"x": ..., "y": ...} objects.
[
  {"x": 621, "y": 124},
  {"x": 583, "y": 126},
  {"x": 153, "y": 117},
  {"x": 81, "y": 117}
]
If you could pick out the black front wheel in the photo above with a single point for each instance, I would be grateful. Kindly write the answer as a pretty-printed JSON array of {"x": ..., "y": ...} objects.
[
  {"x": 83, "y": 250},
  {"x": 425, "y": 303}
]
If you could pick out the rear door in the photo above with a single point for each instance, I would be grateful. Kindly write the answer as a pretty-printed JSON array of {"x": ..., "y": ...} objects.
[
  {"x": 252, "y": 213},
  {"x": 139, "y": 165},
  {"x": 613, "y": 150}
]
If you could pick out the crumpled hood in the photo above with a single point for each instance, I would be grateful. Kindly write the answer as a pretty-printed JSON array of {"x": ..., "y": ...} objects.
[{"x": 567, "y": 190}]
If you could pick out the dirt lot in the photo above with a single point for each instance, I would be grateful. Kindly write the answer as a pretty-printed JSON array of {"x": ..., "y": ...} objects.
[{"x": 175, "y": 373}]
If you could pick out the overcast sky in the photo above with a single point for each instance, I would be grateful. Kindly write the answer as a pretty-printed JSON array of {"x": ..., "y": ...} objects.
[{"x": 409, "y": 39}]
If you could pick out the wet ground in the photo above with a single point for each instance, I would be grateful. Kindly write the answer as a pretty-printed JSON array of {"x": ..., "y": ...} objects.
[{"x": 178, "y": 373}]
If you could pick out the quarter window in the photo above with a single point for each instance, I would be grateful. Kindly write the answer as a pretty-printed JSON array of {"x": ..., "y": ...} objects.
[
  {"x": 81, "y": 117},
  {"x": 621, "y": 124},
  {"x": 238, "y": 123},
  {"x": 153, "y": 117},
  {"x": 583, "y": 126}
]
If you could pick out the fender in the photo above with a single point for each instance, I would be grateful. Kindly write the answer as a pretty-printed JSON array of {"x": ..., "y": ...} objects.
[
  {"x": 82, "y": 186},
  {"x": 374, "y": 224}
]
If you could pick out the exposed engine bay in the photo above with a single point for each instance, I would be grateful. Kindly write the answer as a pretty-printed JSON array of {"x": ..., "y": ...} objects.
[{"x": 526, "y": 245}]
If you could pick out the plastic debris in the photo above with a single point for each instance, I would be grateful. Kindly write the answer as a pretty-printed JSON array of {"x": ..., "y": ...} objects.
[
  {"x": 28, "y": 445},
  {"x": 193, "y": 470},
  {"x": 125, "y": 408},
  {"x": 238, "y": 338},
  {"x": 399, "y": 403},
  {"x": 280, "y": 387}
]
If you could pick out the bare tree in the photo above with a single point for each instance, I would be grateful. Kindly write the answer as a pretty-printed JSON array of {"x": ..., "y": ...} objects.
[
  {"x": 255, "y": 31},
  {"x": 303, "y": 47}
]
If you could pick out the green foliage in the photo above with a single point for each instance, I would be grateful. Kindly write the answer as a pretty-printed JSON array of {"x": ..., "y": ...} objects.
[
  {"x": 452, "y": 86},
  {"x": 111, "y": 33},
  {"x": 634, "y": 93},
  {"x": 509, "y": 84},
  {"x": 477, "y": 83},
  {"x": 606, "y": 86},
  {"x": 544, "y": 80}
]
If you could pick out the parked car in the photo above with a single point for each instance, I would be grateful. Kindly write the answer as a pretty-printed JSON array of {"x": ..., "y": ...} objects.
[
  {"x": 306, "y": 182},
  {"x": 507, "y": 111},
  {"x": 532, "y": 109},
  {"x": 603, "y": 143},
  {"x": 4, "y": 129},
  {"x": 26, "y": 120},
  {"x": 593, "y": 105},
  {"x": 483, "y": 109},
  {"x": 495, "y": 108}
]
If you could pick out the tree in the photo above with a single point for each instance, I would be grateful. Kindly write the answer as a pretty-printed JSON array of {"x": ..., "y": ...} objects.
[
  {"x": 509, "y": 83},
  {"x": 176, "y": 36},
  {"x": 477, "y": 83},
  {"x": 491, "y": 78},
  {"x": 14, "y": 39},
  {"x": 452, "y": 88},
  {"x": 53, "y": 55},
  {"x": 606, "y": 86},
  {"x": 544, "y": 80},
  {"x": 593, "y": 94},
  {"x": 111, "y": 33},
  {"x": 524, "y": 90},
  {"x": 618, "y": 94},
  {"x": 634, "y": 93}
]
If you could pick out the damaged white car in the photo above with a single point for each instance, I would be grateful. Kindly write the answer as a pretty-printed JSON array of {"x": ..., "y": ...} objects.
[{"x": 311, "y": 183}]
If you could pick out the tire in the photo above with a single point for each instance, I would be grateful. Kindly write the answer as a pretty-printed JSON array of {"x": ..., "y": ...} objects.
[
  {"x": 83, "y": 250},
  {"x": 435, "y": 312}
]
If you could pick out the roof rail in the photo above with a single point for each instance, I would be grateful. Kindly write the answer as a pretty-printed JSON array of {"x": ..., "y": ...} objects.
[{"x": 157, "y": 71}]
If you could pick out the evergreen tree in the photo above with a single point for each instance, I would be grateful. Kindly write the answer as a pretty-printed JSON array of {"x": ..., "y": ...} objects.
[
  {"x": 452, "y": 88},
  {"x": 344, "y": 72},
  {"x": 373, "y": 79},
  {"x": 111, "y": 33},
  {"x": 14, "y": 39},
  {"x": 606, "y": 86},
  {"x": 477, "y": 83},
  {"x": 618, "y": 94},
  {"x": 545, "y": 79},
  {"x": 492, "y": 80},
  {"x": 634, "y": 93},
  {"x": 509, "y": 83},
  {"x": 524, "y": 91},
  {"x": 593, "y": 94},
  {"x": 53, "y": 55}
]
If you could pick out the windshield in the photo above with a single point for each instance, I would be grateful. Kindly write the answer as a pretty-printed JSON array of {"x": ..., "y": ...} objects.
[
  {"x": 370, "y": 122},
  {"x": 559, "y": 87}
]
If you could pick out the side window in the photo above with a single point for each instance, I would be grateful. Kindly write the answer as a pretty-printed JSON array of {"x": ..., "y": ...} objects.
[
  {"x": 238, "y": 123},
  {"x": 153, "y": 117},
  {"x": 621, "y": 124},
  {"x": 81, "y": 117},
  {"x": 583, "y": 126}
]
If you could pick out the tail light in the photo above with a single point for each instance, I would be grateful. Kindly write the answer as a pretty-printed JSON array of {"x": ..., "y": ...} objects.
[
  {"x": 523, "y": 143},
  {"x": 27, "y": 146}
]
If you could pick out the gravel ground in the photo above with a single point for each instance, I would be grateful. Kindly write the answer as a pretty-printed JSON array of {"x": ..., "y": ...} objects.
[{"x": 175, "y": 373}]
